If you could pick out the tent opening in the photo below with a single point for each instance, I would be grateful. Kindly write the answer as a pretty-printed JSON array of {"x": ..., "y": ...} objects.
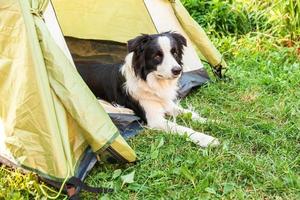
[{"x": 86, "y": 51}]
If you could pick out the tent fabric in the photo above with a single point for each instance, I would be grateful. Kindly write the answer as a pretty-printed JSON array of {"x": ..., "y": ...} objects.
[
  {"x": 94, "y": 19},
  {"x": 52, "y": 24},
  {"x": 49, "y": 117}
]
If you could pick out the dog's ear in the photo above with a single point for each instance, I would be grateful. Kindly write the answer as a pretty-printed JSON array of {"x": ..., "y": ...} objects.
[
  {"x": 179, "y": 39},
  {"x": 137, "y": 44}
]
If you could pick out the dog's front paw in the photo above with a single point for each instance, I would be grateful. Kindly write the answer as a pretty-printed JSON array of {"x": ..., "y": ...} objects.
[
  {"x": 197, "y": 117},
  {"x": 204, "y": 140}
]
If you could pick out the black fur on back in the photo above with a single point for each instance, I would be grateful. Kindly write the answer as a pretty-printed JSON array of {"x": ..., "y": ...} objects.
[{"x": 107, "y": 83}]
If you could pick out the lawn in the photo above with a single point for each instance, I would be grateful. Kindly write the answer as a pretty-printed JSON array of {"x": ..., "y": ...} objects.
[{"x": 258, "y": 109}]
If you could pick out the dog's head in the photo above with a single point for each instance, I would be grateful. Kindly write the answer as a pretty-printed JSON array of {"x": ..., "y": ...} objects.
[{"x": 160, "y": 54}]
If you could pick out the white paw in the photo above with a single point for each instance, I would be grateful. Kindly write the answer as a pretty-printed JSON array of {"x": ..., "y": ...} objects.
[
  {"x": 204, "y": 140},
  {"x": 197, "y": 117}
]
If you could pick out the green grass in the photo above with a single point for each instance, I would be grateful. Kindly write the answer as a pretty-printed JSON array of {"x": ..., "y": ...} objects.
[
  {"x": 259, "y": 110},
  {"x": 258, "y": 107}
]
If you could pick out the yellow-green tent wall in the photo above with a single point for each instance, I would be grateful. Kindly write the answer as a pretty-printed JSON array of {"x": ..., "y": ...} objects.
[{"x": 48, "y": 116}]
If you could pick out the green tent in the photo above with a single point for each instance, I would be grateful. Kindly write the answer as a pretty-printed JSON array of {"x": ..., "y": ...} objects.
[{"x": 50, "y": 122}]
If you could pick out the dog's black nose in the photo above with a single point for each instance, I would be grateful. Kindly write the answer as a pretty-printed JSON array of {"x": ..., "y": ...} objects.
[{"x": 176, "y": 70}]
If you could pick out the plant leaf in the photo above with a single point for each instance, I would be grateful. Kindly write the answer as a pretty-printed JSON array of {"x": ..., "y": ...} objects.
[
  {"x": 187, "y": 174},
  {"x": 161, "y": 143},
  {"x": 210, "y": 190},
  {"x": 154, "y": 154},
  {"x": 116, "y": 173},
  {"x": 104, "y": 197},
  {"x": 129, "y": 178},
  {"x": 228, "y": 187}
]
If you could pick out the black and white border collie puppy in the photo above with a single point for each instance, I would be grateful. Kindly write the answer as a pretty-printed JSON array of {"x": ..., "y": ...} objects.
[{"x": 147, "y": 83}]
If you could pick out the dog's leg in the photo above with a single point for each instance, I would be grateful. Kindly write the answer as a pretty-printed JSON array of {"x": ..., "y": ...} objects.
[
  {"x": 155, "y": 119},
  {"x": 198, "y": 138},
  {"x": 173, "y": 109}
]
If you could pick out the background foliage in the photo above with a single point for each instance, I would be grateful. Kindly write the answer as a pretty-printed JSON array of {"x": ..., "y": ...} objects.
[{"x": 239, "y": 17}]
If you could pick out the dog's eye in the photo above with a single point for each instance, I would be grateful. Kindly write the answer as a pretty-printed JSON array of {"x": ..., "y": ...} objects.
[
  {"x": 174, "y": 52},
  {"x": 158, "y": 56}
]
